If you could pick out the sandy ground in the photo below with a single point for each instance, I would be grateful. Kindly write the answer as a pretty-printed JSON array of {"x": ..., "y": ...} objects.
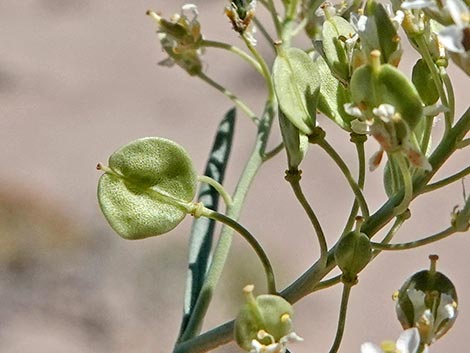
[{"x": 80, "y": 78}]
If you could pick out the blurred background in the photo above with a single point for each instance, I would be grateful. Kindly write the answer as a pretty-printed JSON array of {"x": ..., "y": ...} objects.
[{"x": 78, "y": 79}]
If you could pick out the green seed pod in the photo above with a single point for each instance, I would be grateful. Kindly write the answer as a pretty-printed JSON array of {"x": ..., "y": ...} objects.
[
  {"x": 422, "y": 79},
  {"x": 147, "y": 188},
  {"x": 264, "y": 322},
  {"x": 427, "y": 301},
  {"x": 375, "y": 84},
  {"x": 353, "y": 253}
]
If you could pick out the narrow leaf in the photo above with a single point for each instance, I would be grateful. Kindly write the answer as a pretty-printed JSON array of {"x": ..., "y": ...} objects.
[{"x": 202, "y": 231}]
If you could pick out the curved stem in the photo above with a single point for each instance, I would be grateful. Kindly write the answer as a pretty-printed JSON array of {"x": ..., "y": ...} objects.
[
  {"x": 272, "y": 9},
  {"x": 344, "y": 168},
  {"x": 426, "y": 137},
  {"x": 449, "y": 90},
  {"x": 464, "y": 143},
  {"x": 424, "y": 51},
  {"x": 264, "y": 67},
  {"x": 393, "y": 230},
  {"x": 239, "y": 103},
  {"x": 273, "y": 152},
  {"x": 218, "y": 187},
  {"x": 251, "y": 240},
  {"x": 220, "y": 45},
  {"x": 327, "y": 283},
  {"x": 342, "y": 318},
  {"x": 293, "y": 177},
  {"x": 360, "y": 182},
  {"x": 446, "y": 181},
  {"x": 417, "y": 243},
  {"x": 407, "y": 184},
  {"x": 265, "y": 33}
]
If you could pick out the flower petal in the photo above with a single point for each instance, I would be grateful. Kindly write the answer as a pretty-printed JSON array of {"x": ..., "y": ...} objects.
[
  {"x": 370, "y": 348},
  {"x": 408, "y": 342}
]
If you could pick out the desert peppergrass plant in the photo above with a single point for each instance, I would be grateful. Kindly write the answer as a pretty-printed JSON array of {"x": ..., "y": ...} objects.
[{"x": 348, "y": 73}]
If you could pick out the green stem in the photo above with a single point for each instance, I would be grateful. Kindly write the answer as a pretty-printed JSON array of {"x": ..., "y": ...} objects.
[
  {"x": 264, "y": 68},
  {"x": 393, "y": 230},
  {"x": 251, "y": 240},
  {"x": 273, "y": 152},
  {"x": 222, "y": 248},
  {"x": 446, "y": 181},
  {"x": 293, "y": 177},
  {"x": 464, "y": 143},
  {"x": 426, "y": 137},
  {"x": 239, "y": 103},
  {"x": 424, "y": 51},
  {"x": 265, "y": 33},
  {"x": 415, "y": 244},
  {"x": 327, "y": 283},
  {"x": 342, "y": 318},
  {"x": 272, "y": 9},
  {"x": 407, "y": 183},
  {"x": 218, "y": 187},
  {"x": 360, "y": 180},
  {"x": 449, "y": 90},
  {"x": 291, "y": 13},
  {"x": 235, "y": 50},
  {"x": 345, "y": 170}
]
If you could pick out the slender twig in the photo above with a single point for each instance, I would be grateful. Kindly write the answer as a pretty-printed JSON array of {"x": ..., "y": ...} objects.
[
  {"x": 407, "y": 183},
  {"x": 293, "y": 177},
  {"x": 218, "y": 187},
  {"x": 342, "y": 317},
  {"x": 270, "y": 154},
  {"x": 238, "y": 102},
  {"x": 344, "y": 168},
  {"x": 265, "y": 33},
  {"x": 359, "y": 142},
  {"x": 417, "y": 243},
  {"x": 436, "y": 77},
  {"x": 446, "y": 181},
  {"x": 215, "y": 44},
  {"x": 330, "y": 282},
  {"x": 251, "y": 240},
  {"x": 449, "y": 90}
]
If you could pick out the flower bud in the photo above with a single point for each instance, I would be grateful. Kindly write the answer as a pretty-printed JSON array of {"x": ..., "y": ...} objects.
[
  {"x": 427, "y": 301},
  {"x": 264, "y": 323},
  {"x": 353, "y": 253}
]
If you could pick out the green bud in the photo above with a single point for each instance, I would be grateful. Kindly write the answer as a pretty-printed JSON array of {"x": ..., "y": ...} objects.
[
  {"x": 264, "y": 323},
  {"x": 147, "y": 188},
  {"x": 353, "y": 252},
  {"x": 295, "y": 142},
  {"x": 427, "y": 301},
  {"x": 422, "y": 79}
]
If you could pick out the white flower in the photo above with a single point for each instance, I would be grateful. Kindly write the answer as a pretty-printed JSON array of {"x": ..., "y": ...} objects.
[
  {"x": 273, "y": 347},
  {"x": 452, "y": 37},
  {"x": 181, "y": 38},
  {"x": 408, "y": 342}
]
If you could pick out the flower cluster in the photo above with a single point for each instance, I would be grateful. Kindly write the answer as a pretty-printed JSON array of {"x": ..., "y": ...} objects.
[{"x": 181, "y": 38}]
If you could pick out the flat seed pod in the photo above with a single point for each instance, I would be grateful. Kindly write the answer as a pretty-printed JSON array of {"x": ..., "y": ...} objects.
[
  {"x": 144, "y": 191},
  {"x": 295, "y": 85}
]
